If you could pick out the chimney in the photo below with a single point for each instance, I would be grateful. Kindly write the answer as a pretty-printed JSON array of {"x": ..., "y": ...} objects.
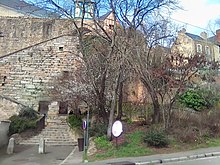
[
  {"x": 218, "y": 35},
  {"x": 183, "y": 30},
  {"x": 204, "y": 35}
]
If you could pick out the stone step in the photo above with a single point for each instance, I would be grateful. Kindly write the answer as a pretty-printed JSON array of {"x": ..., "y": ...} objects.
[
  {"x": 57, "y": 127},
  {"x": 36, "y": 140},
  {"x": 49, "y": 140},
  {"x": 55, "y": 123},
  {"x": 51, "y": 143},
  {"x": 55, "y": 120},
  {"x": 50, "y": 137},
  {"x": 56, "y": 132},
  {"x": 56, "y": 138}
]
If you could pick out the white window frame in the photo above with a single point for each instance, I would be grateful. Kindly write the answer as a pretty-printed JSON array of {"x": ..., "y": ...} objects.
[
  {"x": 207, "y": 50},
  {"x": 199, "y": 48}
]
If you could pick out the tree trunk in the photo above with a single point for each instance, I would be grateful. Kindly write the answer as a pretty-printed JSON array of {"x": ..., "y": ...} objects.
[
  {"x": 120, "y": 101},
  {"x": 102, "y": 111},
  {"x": 154, "y": 98},
  {"x": 156, "y": 115},
  {"x": 101, "y": 99},
  {"x": 111, "y": 116},
  {"x": 112, "y": 110}
]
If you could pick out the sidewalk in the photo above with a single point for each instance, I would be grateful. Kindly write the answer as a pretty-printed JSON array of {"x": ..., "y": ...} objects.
[
  {"x": 69, "y": 155},
  {"x": 28, "y": 155},
  {"x": 76, "y": 157}
]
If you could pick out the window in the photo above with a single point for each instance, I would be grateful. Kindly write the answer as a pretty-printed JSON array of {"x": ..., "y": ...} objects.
[
  {"x": 111, "y": 26},
  {"x": 172, "y": 58},
  {"x": 3, "y": 82},
  {"x": 199, "y": 48},
  {"x": 186, "y": 41},
  {"x": 65, "y": 74},
  {"x": 63, "y": 107},
  {"x": 61, "y": 48},
  {"x": 43, "y": 107},
  {"x": 207, "y": 50},
  {"x": 47, "y": 29}
]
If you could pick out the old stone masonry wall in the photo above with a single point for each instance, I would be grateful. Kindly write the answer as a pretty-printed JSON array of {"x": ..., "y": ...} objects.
[
  {"x": 21, "y": 32},
  {"x": 26, "y": 74}
]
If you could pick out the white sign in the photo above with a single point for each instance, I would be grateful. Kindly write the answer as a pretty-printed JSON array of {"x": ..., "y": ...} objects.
[
  {"x": 84, "y": 124},
  {"x": 117, "y": 128}
]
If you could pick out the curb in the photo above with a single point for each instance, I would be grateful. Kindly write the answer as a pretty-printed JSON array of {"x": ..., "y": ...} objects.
[{"x": 176, "y": 159}]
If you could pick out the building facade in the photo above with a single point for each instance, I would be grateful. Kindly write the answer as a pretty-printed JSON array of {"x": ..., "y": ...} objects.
[
  {"x": 31, "y": 57},
  {"x": 33, "y": 52},
  {"x": 188, "y": 45}
]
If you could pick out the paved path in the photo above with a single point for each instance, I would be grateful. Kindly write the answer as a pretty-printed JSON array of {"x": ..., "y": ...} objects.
[
  {"x": 68, "y": 155},
  {"x": 28, "y": 155}
]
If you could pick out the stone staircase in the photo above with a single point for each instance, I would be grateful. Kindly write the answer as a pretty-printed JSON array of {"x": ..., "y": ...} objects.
[{"x": 56, "y": 132}]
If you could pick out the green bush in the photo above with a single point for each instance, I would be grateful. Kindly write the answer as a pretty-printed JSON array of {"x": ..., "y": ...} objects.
[
  {"x": 74, "y": 121},
  {"x": 28, "y": 113},
  {"x": 193, "y": 99},
  {"x": 211, "y": 96},
  {"x": 156, "y": 138},
  {"x": 98, "y": 129},
  {"x": 20, "y": 124},
  {"x": 102, "y": 143}
]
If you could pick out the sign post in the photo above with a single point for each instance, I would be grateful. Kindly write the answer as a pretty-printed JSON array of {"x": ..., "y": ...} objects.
[
  {"x": 117, "y": 130},
  {"x": 86, "y": 136},
  {"x": 84, "y": 130}
]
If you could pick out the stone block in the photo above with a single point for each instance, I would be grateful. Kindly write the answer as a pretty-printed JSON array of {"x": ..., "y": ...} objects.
[
  {"x": 41, "y": 149},
  {"x": 24, "y": 82},
  {"x": 30, "y": 86},
  {"x": 11, "y": 144}
]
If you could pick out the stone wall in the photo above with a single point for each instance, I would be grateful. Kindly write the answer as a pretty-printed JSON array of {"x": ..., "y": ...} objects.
[
  {"x": 8, "y": 109},
  {"x": 27, "y": 74},
  {"x": 21, "y": 32}
]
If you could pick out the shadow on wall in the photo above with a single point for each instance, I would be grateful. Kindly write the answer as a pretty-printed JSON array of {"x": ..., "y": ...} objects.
[{"x": 4, "y": 128}]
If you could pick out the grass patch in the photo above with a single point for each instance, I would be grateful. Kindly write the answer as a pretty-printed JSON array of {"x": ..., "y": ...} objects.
[
  {"x": 133, "y": 146},
  {"x": 209, "y": 143},
  {"x": 213, "y": 142}
]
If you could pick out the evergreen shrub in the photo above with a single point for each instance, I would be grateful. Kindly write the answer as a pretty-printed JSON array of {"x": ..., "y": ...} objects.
[{"x": 156, "y": 138}]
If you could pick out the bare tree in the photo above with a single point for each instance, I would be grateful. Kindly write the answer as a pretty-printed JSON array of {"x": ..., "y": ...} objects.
[
  {"x": 98, "y": 55},
  {"x": 143, "y": 18},
  {"x": 143, "y": 29}
]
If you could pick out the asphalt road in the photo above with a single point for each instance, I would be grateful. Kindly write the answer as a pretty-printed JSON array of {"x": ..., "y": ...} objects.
[
  {"x": 202, "y": 161},
  {"x": 28, "y": 155}
]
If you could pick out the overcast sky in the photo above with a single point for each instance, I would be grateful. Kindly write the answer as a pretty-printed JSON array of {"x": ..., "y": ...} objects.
[{"x": 198, "y": 13}]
